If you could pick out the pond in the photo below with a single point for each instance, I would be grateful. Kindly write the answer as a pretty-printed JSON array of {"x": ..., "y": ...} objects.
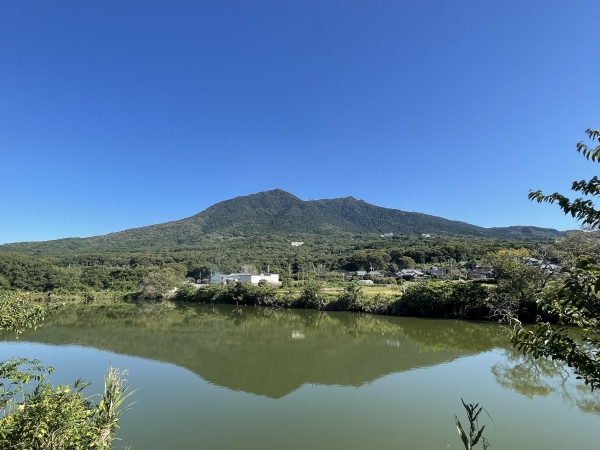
[{"x": 263, "y": 378}]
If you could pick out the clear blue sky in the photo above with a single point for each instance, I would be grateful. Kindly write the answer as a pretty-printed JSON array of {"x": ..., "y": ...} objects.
[{"x": 119, "y": 114}]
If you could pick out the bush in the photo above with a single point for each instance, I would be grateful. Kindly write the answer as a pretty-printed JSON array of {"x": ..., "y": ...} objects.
[
  {"x": 61, "y": 417},
  {"x": 350, "y": 300},
  {"x": 384, "y": 280},
  {"x": 312, "y": 297},
  {"x": 239, "y": 293},
  {"x": 484, "y": 281},
  {"x": 444, "y": 300},
  {"x": 19, "y": 312}
]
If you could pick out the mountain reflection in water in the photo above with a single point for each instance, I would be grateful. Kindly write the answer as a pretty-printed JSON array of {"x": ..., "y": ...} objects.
[
  {"x": 272, "y": 352},
  {"x": 267, "y": 351}
]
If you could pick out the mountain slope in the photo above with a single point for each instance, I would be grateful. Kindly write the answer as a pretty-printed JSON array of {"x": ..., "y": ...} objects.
[{"x": 279, "y": 214}]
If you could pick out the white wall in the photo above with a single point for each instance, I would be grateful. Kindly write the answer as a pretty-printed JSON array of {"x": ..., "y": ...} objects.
[
  {"x": 245, "y": 278},
  {"x": 272, "y": 278}
]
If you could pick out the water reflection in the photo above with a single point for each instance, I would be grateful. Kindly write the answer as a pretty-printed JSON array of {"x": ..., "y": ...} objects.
[
  {"x": 272, "y": 352},
  {"x": 268, "y": 351},
  {"x": 542, "y": 378}
]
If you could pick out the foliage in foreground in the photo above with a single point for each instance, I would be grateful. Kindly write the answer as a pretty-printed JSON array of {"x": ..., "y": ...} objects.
[
  {"x": 34, "y": 414},
  {"x": 18, "y": 312},
  {"x": 45, "y": 417},
  {"x": 578, "y": 300},
  {"x": 475, "y": 434}
]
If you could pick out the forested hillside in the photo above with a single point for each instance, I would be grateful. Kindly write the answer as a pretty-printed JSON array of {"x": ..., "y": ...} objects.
[
  {"x": 256, "y": 231},
  {"x": 274, "y": 217}
]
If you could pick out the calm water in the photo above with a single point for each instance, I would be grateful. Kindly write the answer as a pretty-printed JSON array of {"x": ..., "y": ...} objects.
[{"x": 253, "y": 378}]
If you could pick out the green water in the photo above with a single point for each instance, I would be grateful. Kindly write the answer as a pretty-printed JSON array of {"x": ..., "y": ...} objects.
[{"x": 255, "y": 378}]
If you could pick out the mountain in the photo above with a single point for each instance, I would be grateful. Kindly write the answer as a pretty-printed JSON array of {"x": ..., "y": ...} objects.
[{"x": 281, "y": 215}]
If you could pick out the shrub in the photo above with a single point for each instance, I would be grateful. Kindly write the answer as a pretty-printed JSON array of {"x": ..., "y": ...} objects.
[
  {"x": 61, "y": 417},
  {"x": 384, "y": 280},
  {"x": 350, "y": 300},
  {"x": 444, "y": 300},
  {"x": 312, "y": 297}
]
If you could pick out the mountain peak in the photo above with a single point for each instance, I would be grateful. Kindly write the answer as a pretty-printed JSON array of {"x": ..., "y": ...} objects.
[{"x": 276, "y": 212}]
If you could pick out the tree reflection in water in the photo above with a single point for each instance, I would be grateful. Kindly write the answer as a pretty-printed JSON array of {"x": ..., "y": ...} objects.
[
  {"x": 544, "y": 377},
  {"x": 273, "y": 352}
]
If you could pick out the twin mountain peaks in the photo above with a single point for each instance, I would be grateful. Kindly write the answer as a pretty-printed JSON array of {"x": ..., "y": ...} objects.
[{"x": 280, "y": 213}]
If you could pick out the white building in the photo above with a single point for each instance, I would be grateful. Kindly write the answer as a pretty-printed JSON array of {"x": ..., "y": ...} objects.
[
  {"x": 297, "y": 244},
  {"x": 221, "y": 278}
]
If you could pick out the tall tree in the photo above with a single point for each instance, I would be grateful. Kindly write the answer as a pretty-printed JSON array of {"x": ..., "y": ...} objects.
[{"x": 578, "y": 301}]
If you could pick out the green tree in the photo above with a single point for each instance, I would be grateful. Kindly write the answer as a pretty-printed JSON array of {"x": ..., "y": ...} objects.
[
  {"x": 158, "y": 284},
  {"x": 578, "y": 302},
  {"x": 518, "y": 283},
  {"x": 364, "y": 259},
  {"x": 405, "y": 262},
  {"x": 312, "y": 296}
]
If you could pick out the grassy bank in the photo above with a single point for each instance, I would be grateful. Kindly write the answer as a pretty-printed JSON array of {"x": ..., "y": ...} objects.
[
  {"x": 451, "y": 300},
  {"x": 428, "y": 299}
]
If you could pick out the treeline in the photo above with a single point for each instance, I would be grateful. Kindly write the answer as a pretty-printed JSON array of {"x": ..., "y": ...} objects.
[
  {"x": 447, "y": 300},
  {"x": 517, "y": 286},
  {"x": 125, "y": 271},
  {"x": 26, "y": 273}
]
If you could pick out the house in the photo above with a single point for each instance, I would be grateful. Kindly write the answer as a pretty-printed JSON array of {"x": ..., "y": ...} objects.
[
  {"x": 455, "y": 272},
  {"x": 434, "y": 272},
  {"x": 365, "y": 282},
  {"x": 361, "y": 273},
  {"x": 387, "y": 235},
  {"x": 411, "y": 274},
  {"x": 532, "y": 262},
  {"x": 297, "y": 244},
  {"x": 375, "y": 273},
  {"x": 550, "y": 268},
  {"x": 221, "y": 278},
  {"x": 480, "y": 273}
]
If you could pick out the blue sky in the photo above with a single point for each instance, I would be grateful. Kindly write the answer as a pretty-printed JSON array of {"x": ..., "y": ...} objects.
[{"x": 119, "y": 114}]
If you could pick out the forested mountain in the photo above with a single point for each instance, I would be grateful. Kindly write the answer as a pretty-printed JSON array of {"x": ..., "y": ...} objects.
[{"x": 275, "y": 216}]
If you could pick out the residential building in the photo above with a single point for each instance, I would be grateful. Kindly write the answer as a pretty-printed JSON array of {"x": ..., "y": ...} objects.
[
  {"x": 435, "y": 272},
  {"x": 479, "y": 273},
  {"x": 375, "y": 273},
  {"x": 550, "y": 268},
  {"x": 221, "y": 278},
  {"x": 411, "y": 274}
]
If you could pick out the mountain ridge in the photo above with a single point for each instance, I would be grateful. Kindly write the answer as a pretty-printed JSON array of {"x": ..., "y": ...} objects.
[{"x": 277, "y": 212}]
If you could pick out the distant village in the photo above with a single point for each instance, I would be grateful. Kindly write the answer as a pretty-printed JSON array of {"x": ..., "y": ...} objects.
[{"x": 370, "y": 277}]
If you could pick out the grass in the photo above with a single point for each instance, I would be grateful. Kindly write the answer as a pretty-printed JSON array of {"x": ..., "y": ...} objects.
[{"x": 384, "y": 289}]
